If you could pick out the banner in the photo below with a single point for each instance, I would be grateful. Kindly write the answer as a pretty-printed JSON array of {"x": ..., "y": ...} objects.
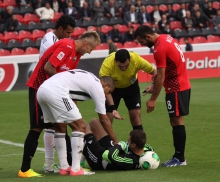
[{"x": 206, "y": 64}]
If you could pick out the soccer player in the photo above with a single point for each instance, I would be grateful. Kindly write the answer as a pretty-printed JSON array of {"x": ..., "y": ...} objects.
[
  {"x": 101, "y": 154},
  {"x": 63, "y": 29},
  {"x": 63, "y": 55},
  {"x": 172, "y": 74},
  {"x": 56, "y": 96},
  {"x": 123, "y": 67}
]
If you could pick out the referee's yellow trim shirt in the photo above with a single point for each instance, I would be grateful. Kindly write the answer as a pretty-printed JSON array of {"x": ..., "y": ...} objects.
[{"x": 123, "y": 79}]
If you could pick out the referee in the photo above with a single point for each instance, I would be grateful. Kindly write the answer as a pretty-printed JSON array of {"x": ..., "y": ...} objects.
[{"x": 123, "y": 67}]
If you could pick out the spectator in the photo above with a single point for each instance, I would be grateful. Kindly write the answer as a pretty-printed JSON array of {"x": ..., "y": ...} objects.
[
  {"x": 171, "y": 15},
  {"x": 112, "y": 10},
  {"x": 5, "y": 15},
  {"x": 85, "y": 12},
  {"x": 156, "y": 14},
  {"x": 168, "y": 30},
  {"x": 210, "y": 12},
  {"x": 98, "y": 10},
  {"x": 163, "y": 22},
  {"x": 56, "y": 6},
  {"x": 23, "y": 3},
  {"x": 181, "y": 13},
  {"x": 192, "y": 4},
  {"x": 155, "y": 28},
  {"x": 138, "y": 6},
  {"x": 131, "y": 16},
  {"x": 143, "y": 16},
  {"x": 126, "y": 6},
  {"x": 71, "y": 10},
  {"x": 188, "y": 22},
  {"x": 112, "y": 46},
  {"x": 129, "y": 35},
  {"x": 201, "y": 20},
  {"x": 216, "y": 20},
  {"x": 188, "y": 45},
  {"x": 11, "y": 24},
  {"x": 204, "y": 4},
  {"x": 45, "y": 13},
  {"x": 195, "y": 9},
  {"x": 37, "y": 4},
  {"x": 115, "y": 34},
  {"x": 101, "y": 34}
]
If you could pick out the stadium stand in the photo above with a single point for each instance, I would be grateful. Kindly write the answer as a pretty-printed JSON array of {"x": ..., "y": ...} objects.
[
  {"x": 27, "y": 43},
  {"x": 4, "y": 52},
  {"x": 102, "y": 46},
  {"x": 17, "y": 51},
  {"x": 23, "y": 35},
  {"x": 31, "y": 50},
  {"x": 13, "y": 44}
]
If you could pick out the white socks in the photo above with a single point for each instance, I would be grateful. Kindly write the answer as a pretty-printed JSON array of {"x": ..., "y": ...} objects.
[
  {"x": 49, "y": 147},
  {"x": 60, "y": 144},
  {"x": 77, "y": 149}
]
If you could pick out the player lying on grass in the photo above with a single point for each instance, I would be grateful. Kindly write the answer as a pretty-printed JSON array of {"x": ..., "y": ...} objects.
[{"x": 101, "y": 154}]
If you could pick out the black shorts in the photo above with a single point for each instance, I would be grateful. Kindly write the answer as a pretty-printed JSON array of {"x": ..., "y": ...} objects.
[
  {"x": 36, "y": 114},
  {"x": 178, "y": 103},
  {"x": 131, "y": 96},
  {"x": 94, "y": 149}
]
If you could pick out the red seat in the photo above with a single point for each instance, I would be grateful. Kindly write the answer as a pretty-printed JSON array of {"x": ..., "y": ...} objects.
[
  {"x": 4, "y": 52},
  {"x": 2, "y": 37},
  {"x": 30, "y": 18},
  {"x": 24, "y": 35},
  {"x": 56, "y": 16},
  {"x": 181, "y": 40},
  {"x": 135, "y": 25},
  {"x": 102, "y": 46},
  {"x": 9, "y": 3},
  {"x": 147, "y": 23},
  {"x": 176, "y": 7},
  {"x": 31, "y": 50},
  {"x": 17, "y": 51},
  {"x": 11, "y": 35},
  {"x": 130, "y": 44},
  {"x": 122, "y": 28},
  {"x": 216, "y": 5},
  {"x": 106, "y": 28},
  {"x": 199, "y": 39},
  {"x": 163, "y": 7},
  {"x": 37, "y": 34},
  {"x": 20, "y": 18},
  {"x": 49, "y": 30},
  {"x": 176, "y": 24},
  {"x": 149, "y": 8},
  {"x": 212, "y": 38},
  {"x": 91, "y": 28},
  {"x": 1, "y": 4},
  {"x": 119, "y": 45},
  {"x": 77, "y": 32}
]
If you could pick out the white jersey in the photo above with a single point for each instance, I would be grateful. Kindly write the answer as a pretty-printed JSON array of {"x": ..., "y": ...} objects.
[
  {"x": 48, "y": 40},
  {"x": 80, "y": 85}
]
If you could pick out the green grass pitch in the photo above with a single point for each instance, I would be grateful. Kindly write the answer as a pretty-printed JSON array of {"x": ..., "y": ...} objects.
[{"x": 202, "y": 147}]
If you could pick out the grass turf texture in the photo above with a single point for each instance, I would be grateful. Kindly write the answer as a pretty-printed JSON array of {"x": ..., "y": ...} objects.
[{"x": 202, "y": 148}]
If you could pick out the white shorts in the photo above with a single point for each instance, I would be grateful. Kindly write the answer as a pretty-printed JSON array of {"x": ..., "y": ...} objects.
[{"x": 57, "y": 108}]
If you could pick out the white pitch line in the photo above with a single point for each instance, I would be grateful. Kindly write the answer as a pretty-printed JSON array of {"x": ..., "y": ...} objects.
[{"x": 18, "y": 144}]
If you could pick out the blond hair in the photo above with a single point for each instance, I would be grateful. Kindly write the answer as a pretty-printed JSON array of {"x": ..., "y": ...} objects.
[{"x": 92, "y": 37}]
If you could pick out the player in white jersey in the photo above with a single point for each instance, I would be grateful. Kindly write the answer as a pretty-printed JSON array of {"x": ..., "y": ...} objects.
[{"x": 56, "y": 96}]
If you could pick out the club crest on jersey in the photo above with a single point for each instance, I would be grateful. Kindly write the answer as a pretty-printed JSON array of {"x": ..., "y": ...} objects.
[
  {"x": 75, "y": 57},
  {"x": 60, "y": 56},
  {"x": 64, "y": 67}
]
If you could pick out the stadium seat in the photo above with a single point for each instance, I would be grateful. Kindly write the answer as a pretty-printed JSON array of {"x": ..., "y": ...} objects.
[
  {"x": 56, "y": 16},
  {"x": 30, "y": 18},
  {"x": 149, "y": 8},
  {"x": 49, "y": 30},
  {"x": 9, "y": 3},
  {"x": 216, "y": 5},
  {"x": 122, "y": 28},
  {"x": 4, "y": 52},
  {"x": 163, "y": 7},
  {"x": 10, "y": 35},
  {"x": 181, "y": 40},
  {"x": 160, "y": 2},
  {"x": 77, "y": 32},
  {"x": 23, "y": 35},
  {"x": 31, "y": 50},
  {"x": 194, "y": 32},
  {"x": 180, "y": 33},
  {"x": 147, "y": 2},
  {"x": 91, "y": 28},
  {"x": 3, "y": 45},
  {"x": 28, "y": 43},
  {"x": 119, "y": 45},
  {"x": 116, "y": 20},
  {"x": 79, "y": 23},
  {"x": 20, "y": 18},
  {"x": 48, "y": 25},
  {"x": 218, "y": 31},
  {"x": 176, "y": 24},
  {"x": 87, "y": 23},
  {"x": 212, "y": 38},
  {"x": 105, "y": 29},
  {"x": 1, "y": 5},
  {"x": 102, "y": 21},
  {"x": 176, "y": 7},
  {"x": 13, "y": 44},
  {"x": 26, "y": 9},
  {"x": 208, "y": 31},
  {"x": 120, "y": 3},
  {"x": 135, "y": 25},
  {"x": 33, "y": 25},
  {"x": 21, "y": 26},
  {"x": 1, "y": 9},
  {"x": 38, "y": 42},
  {"x": 199, "y": 39},
  {"x": 130, "y": 44},
  {"x": 147, "y": 23},
  {"x": 102, "y": 46},
  {"x": 173, "y": 1},
  {"x": 37, "y": 34},
  {"x": 16, "y": 11},
  {"x": 2, "y": 37},
  {"x": 17, "y": 51},
  {"x": 105, "y": 4}
]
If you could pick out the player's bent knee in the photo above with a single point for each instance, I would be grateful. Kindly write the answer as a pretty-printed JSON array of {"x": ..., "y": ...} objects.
[{"x": 78, "y": 125}]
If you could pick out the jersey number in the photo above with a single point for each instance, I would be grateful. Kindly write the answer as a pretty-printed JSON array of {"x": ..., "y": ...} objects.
[{"x": 180, "y": 51}]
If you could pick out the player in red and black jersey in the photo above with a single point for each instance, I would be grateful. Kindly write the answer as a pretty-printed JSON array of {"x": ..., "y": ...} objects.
[
  {"x": 63, "y": 55},
  {"x": 172, "y": 74}
]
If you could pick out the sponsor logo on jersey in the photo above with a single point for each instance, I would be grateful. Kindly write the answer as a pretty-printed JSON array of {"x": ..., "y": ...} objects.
[
  {"x": 64, "y": 67},
  {"x": 60, "y": 56},
  {"x": 69, "y": 46}
]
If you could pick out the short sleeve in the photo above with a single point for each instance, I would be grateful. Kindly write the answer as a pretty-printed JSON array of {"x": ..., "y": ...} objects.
[
  {"x": 160, "y": 57},
  {"x": 106, "y": 67}
]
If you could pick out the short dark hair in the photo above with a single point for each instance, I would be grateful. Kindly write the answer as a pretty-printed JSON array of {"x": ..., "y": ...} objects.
[
  {"x": 139, "y": 138},
  {"x": 64, "y": 21},
  {"x": 142, "y": 30},
  {"x": 122, "y": 55}
]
